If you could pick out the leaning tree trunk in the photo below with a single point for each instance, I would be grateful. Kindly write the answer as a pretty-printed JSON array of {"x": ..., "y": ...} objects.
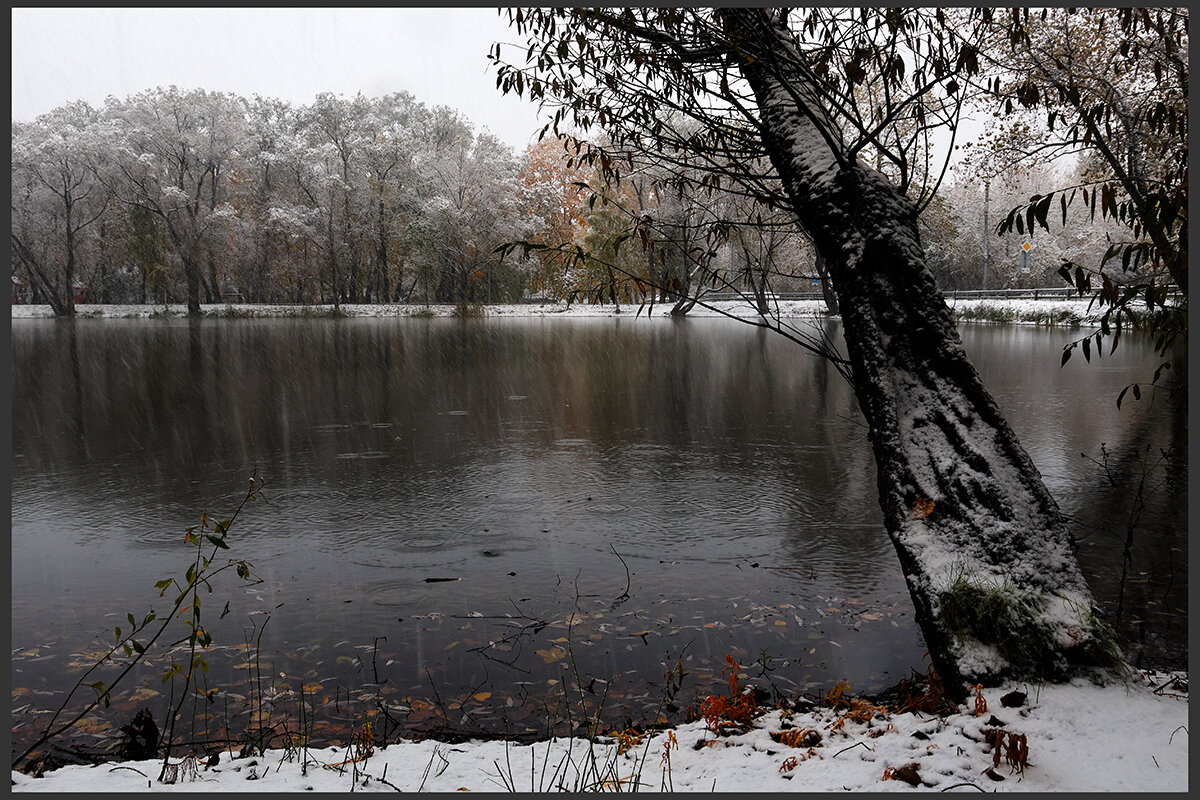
[
  {"x": 989, "y": 561},
  {"x": 38, "y": 280}
]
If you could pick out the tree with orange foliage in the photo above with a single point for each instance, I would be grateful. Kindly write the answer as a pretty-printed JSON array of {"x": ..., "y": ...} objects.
[{"x": 552, "y": 182}]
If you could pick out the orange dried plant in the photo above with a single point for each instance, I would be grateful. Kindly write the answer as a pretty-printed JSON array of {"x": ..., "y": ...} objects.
[
  {"x": 738, "y": 709},
  {"x": 798, "y": 737}
]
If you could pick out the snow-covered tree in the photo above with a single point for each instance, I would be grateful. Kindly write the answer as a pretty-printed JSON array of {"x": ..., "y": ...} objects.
[
  {"x": 987, "y": 555},
  {"x": 57, "y": 195},
  {"x": 471, "y": 194},
  {"x": 172, "y": 153}
]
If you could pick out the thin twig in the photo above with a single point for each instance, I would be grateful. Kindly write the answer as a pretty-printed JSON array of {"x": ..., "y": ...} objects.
[
  {"x": 851, "y": 747},
  {"x": 624, "y": 595},
  {"x": 134, "y": 769}
]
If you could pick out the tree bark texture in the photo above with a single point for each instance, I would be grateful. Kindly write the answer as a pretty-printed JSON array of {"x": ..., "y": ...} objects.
[{"x": 989, "y": 561}]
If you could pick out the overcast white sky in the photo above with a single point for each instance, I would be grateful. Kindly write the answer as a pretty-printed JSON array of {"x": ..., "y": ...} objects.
[{"x": 438, "y": 55}]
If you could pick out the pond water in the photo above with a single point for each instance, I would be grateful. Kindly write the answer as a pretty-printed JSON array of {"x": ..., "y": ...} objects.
[{"x": 466, "y": 521}]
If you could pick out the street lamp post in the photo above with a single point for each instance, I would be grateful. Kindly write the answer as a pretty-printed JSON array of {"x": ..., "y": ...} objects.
[{"x": 986, "y": 187}]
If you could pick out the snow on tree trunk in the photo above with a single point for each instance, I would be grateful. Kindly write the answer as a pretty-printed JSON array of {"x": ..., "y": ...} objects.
[{"x": 988, "y": 558}]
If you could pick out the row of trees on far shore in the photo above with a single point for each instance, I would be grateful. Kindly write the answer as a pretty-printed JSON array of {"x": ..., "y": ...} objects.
[{"x": 204, "y": 197}]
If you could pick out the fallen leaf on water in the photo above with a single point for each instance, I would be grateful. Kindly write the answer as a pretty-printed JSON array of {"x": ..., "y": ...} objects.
[
  {"x": 143, "y": 694},
  {"x": 92, "y": 725},
  {"x": 481, "y": 696},
  {"x": 312, "y": 688},
  {"x": 553, "y": 654},
  {"x": 449, "y": 646}
]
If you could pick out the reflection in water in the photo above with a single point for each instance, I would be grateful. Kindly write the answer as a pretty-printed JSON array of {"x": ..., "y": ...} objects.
[{"x": 531, "y": 463}]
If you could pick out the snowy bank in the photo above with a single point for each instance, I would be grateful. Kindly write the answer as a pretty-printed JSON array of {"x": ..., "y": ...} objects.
[
  {"x": 1000, "y": 310},
  {"x": 1080, "y": 738}
]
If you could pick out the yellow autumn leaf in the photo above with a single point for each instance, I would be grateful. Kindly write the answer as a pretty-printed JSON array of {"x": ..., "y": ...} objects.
[
  {"x": 780, "y": 622},
  {"x": 143, "y": 693},
  {"x": 553, "y": 654},
  {"x": 92, "y": 725},
  {"x": 481, "y": 696},
  {"x": 450, "y": 646},
  {"x": 312, "y": 688}
]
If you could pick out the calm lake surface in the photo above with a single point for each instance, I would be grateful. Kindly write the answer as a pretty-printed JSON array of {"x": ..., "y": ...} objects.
[{"x": 613, "y": 496}]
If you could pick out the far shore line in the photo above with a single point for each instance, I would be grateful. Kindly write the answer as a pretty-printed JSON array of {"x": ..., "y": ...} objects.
[{"x": 1055, "y": 312}]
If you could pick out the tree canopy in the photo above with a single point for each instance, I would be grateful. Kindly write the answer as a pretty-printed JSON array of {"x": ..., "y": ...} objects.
[{"x": 845, "y": 119}]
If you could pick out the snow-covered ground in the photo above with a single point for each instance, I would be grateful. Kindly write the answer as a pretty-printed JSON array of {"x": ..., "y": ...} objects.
[
  {"x": 1080, "y": 738},
  {"x": 1014, "y": 310}
]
